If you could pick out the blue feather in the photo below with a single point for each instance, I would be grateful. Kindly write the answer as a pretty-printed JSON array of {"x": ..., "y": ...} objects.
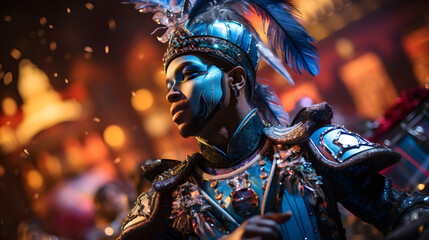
[
  {"x": 269, "y": 105},
  {"x": 285, "y": 33}
]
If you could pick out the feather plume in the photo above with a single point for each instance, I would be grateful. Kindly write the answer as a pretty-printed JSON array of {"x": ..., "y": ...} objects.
[
  {"x": 285, "y": 33},
  {"x": 269, "y": 105}
]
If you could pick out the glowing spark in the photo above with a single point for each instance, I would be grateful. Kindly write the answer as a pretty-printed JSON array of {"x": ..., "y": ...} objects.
[
  {"x": 49, "y": 59},
  {"x": 7, "y": 78},
  {"x": 96, "y": 119},
  {"x": 112, "y": 24},
  {"x": 141, "y": 56},
  {"x": 36, "y": 195},
  {"x": 68, "y": 10},
  {"x": 15, "y": 53},
  {"x": 108, "y": 231},
  {"x": 106, "y": 49},
  {"x": 88, "y": 49},
  {"x": 133, "y": 93},
  {"x": 51, "y": 26},
  {"x": 55, "y": 74},
  {"x": 7, "y": 18},
  {"x": 40, "y": 33},
  {"x": 89, "y": 6},
  {"x": 117, "y": 160},
  {"x": 66, "y": 80},
  {"x": 26, "y": 151},
  {"x": 86, "y": 133},
  {"x": 52, "y": 46},
  {"x": 43, "y": 20},
  {"x": 87, "y": 55},
  {"x": 67, "y": 56}
]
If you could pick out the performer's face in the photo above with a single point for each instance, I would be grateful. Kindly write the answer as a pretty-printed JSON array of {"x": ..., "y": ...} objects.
[{"x": 195, "y": 90}]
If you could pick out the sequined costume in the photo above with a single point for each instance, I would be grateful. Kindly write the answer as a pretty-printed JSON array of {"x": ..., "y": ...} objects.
[
  {"x": 299, "y": 168},
  {"x": 305, "y": 167}
]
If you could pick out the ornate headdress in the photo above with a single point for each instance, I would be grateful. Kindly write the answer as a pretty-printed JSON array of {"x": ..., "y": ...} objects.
[{"x": 220, "y": 29}]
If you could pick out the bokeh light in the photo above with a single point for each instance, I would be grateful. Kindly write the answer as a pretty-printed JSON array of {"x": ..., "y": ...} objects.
[
  {"x": 34, "y": 179},
  {"x": 142, "y": 99},
  {"x": 114, "y": 136},
  {"x": 9, "y": 106},
  {"x": 157, "y": 124}
]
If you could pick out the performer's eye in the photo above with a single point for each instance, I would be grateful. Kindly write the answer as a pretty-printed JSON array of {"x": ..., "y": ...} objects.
[
  {"x": 189, "y": 74},
  {"x": 169, "y": 85}
]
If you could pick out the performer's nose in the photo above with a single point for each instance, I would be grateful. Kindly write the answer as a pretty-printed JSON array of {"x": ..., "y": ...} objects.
[{"x": 173, "y": 95}]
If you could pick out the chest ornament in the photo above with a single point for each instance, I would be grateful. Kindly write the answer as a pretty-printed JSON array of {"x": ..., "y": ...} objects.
[
  {"x": 295, "y": 173},
  {"x": 244, "y": 200},
  {"x": 191, "y": 213}
]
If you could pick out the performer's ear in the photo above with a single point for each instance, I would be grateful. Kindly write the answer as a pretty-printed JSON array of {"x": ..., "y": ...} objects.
[{"x": 236, "y": 78}]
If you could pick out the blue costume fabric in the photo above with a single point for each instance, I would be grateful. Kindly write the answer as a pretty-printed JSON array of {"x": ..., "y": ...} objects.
[{"x": 306, "y": 170}]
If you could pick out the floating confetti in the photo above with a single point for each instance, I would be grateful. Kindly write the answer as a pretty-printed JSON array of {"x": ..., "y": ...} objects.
[
  {"x": 88, "y": 49},
  {"x": 106, "y": 49},
  {"x": 53, "y": 46},
  {"x": 133, "y": 93},
  {"x": 7, "y": 18},
  {"x": 26, "y": 151},
  {"x": 89, "y": 6},
  {"x": 40, "y": 33},
  {"x": 55, "y": 74},
  {"x": 49, "y": 59},
  {"x": 96, "y": 119},
  {"x": 51, "y": 26},
  {"x": 112, "y": 24},
  {"x": 67, "y": 56},
  {"x": 68, "y": 10},
  {"x": 87, "y": 55},
  {"x": 43, "y": 20},
  {"x": 7, "y": 78},
  {"x": 15, "y": 53},
  {"x": 117, "y": 160},
  {"x": 66, "y": 80}
]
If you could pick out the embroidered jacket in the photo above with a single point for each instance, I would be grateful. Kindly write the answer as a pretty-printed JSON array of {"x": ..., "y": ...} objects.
[{"x": 305, "y": 168}]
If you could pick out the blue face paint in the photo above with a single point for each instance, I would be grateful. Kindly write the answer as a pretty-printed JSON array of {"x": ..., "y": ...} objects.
[{"x": 200, "y": 82}]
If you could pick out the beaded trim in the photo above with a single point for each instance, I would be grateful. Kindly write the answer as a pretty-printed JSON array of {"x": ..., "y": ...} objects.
[{"x": 218, "y": 47}]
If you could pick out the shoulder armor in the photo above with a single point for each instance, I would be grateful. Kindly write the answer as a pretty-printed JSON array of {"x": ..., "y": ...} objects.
[
  {"x": 336, "y": 147},
  {"x": 165, "y": 176},
  {"x": 138, "y": 217},
  {"x": 305, "y": 122}
]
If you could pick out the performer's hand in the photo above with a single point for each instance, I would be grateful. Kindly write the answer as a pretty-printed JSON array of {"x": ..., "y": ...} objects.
[{"x": 261, "y": 227}]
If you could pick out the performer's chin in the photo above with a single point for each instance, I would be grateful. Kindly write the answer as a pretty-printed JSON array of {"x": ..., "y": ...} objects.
[{"x": 189, "y": 129}]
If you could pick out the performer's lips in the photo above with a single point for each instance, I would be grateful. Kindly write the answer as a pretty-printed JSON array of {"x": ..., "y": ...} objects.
[{"x": 177, "y": 110}]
